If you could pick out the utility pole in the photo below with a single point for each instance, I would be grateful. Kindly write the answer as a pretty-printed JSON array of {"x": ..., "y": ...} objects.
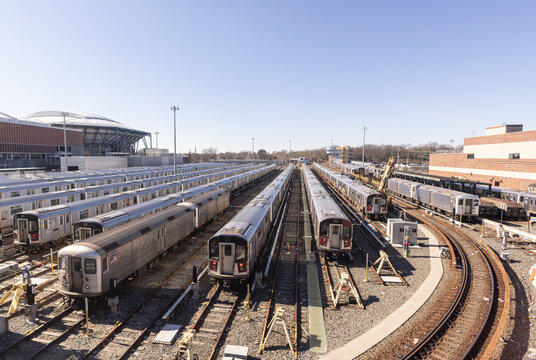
[
  {"x": 65, "y": 140},
  {"x": 157, "y": 139},
  {"x": 363, "y": 159},
  {"x": 253, "y": 148},
  {"x": 174, "y": 109}
]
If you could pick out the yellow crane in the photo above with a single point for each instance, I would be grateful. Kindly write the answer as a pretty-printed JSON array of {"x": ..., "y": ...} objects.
[{"x": 386, "y": 174}]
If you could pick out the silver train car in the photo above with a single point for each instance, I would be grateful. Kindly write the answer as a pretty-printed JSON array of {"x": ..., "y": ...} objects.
[
  {"x": 234, "y": 250},
  {"x": 23, "y": 188},
  {"x": 332, "y": 228},
  {"x": 86, "y": 228},
  {"x": 86, "y": 268},
  {"x": 529, "y": 203},
  {"x": 450, "y": 202},
  {"x": 48, "y": 225},
  {"x": 369, "y": 202}
]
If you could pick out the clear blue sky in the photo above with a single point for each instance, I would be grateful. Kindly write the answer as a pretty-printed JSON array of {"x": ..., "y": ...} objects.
[{"x": 411, "y": 71}]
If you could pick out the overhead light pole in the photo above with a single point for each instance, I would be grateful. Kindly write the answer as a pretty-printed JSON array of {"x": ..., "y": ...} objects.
[
  {"x": 289, "y": 149},
  {"x": 156, "y": 133},
  {"x": 363, "y": 155},
  {"x": 65, "y": 140},
  {"x": 253, "y": 148},
  {"x": 174, "y": 109}
]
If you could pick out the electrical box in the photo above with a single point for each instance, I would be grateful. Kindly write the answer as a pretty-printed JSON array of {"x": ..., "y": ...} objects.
[{"x": 395, "y": 231}]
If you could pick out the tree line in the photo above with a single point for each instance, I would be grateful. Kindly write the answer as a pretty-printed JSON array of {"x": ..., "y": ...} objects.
[{"x": 373, "y": 153}]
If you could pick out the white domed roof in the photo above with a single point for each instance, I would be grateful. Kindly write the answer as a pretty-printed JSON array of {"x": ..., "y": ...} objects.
[{"x": 74, "y": 119}]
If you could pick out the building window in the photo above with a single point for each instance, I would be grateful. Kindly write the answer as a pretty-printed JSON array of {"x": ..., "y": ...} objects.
[
  {"x": 514, "y": 156},
  {"x": 497, "y": 183},
  {"x": 470, "y": 156}
]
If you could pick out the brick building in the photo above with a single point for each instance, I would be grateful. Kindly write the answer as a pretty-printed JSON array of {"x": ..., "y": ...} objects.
[
  {"x": 342, "y": 154},
  {"x": 505, "y": 156}
]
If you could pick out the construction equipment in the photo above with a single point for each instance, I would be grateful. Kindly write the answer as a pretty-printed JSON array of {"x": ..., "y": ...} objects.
[{"x": 386, "y": 174}]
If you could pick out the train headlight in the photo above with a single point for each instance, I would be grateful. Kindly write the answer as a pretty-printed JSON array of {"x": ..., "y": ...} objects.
[
  {"x": 87, "y": 287},
  {"x": 242, "y": 266},
  {"x": 213, "y": 265}
]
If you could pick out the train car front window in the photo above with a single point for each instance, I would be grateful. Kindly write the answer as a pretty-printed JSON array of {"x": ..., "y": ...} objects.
[
  {"x": 32, "y": 226},
  {"x": 346, "y": 232},
  {"x": 324, "y": 229},
  {"x": 240, "y": 252},
  {"x": 90, "y": 266},
  {"x": 213, "y": 249}
]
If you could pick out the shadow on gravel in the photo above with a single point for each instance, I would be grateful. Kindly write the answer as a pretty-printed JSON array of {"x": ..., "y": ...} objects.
[
  {"x": 518, "y": 342},
  {"x": 370, "y": 300}
]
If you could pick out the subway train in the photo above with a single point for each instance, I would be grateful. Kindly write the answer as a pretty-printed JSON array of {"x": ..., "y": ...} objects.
[
  {"x": 41, "y": 186},
  {"x": 86, "y": 268},
  {"x": 48, "y": 225},
  {"x": 332, "y": 228},
  {"x": 234, "y": 251},
  {"x": 369, "y": 202},
  {"x": 14, "y": 205},
  {"x": 450, "y": 202}
]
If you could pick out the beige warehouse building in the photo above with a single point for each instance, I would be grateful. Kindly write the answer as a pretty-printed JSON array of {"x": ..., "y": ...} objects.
[{"x": 505, "y": 156}]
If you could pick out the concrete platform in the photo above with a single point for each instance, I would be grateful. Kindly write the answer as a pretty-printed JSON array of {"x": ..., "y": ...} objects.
[{"x": 396, "y": 319}]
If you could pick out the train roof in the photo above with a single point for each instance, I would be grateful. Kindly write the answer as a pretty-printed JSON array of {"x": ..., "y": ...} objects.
[
  {"x": 354, "y": 184},
  {"x": 250, "y": 216},
  {"x": 324, "y": 205}
]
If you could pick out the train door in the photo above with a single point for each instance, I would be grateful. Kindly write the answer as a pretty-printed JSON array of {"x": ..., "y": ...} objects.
[
  {"x": 468, "y": 206},
  {"x": 77, "y": 276},
  {"x": 22, "y": 225},
  {"x": 227, "y": 252},
  {"x": 335, "y": 231}
]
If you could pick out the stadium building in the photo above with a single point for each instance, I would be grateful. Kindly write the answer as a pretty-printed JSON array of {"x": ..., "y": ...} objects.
[{"x": 100, "y": 134}]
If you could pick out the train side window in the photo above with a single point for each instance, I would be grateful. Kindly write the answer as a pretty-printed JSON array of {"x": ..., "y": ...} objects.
[
  {"x": 460, "y": 202},
  {"x": 67, "y": 218},
  {"x": 15, "y": 194},
  {"x": 61, "y": 220},
  {"x": 90, "y": 266},
  {"x": 104, "y": 263},
  {"x": 54, "y": 202},
  {"x": 83, "y": 214},
  {"x": 45, "y": 224},
  {"x": 113, "y": 206}
]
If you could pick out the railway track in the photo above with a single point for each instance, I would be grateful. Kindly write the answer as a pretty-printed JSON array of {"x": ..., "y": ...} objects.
[
  {"x": 213, "y": 319},
  {"x": 40, "y": 339},
  {"x": 120, "y": 339},
  {"x": 339, "y": 281},
  {"x": 285, "y": 294},
  {"x": 128, "y": 333},
  {"x": 468, "y": 322},
  {"x": 370, "y": 247}
]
